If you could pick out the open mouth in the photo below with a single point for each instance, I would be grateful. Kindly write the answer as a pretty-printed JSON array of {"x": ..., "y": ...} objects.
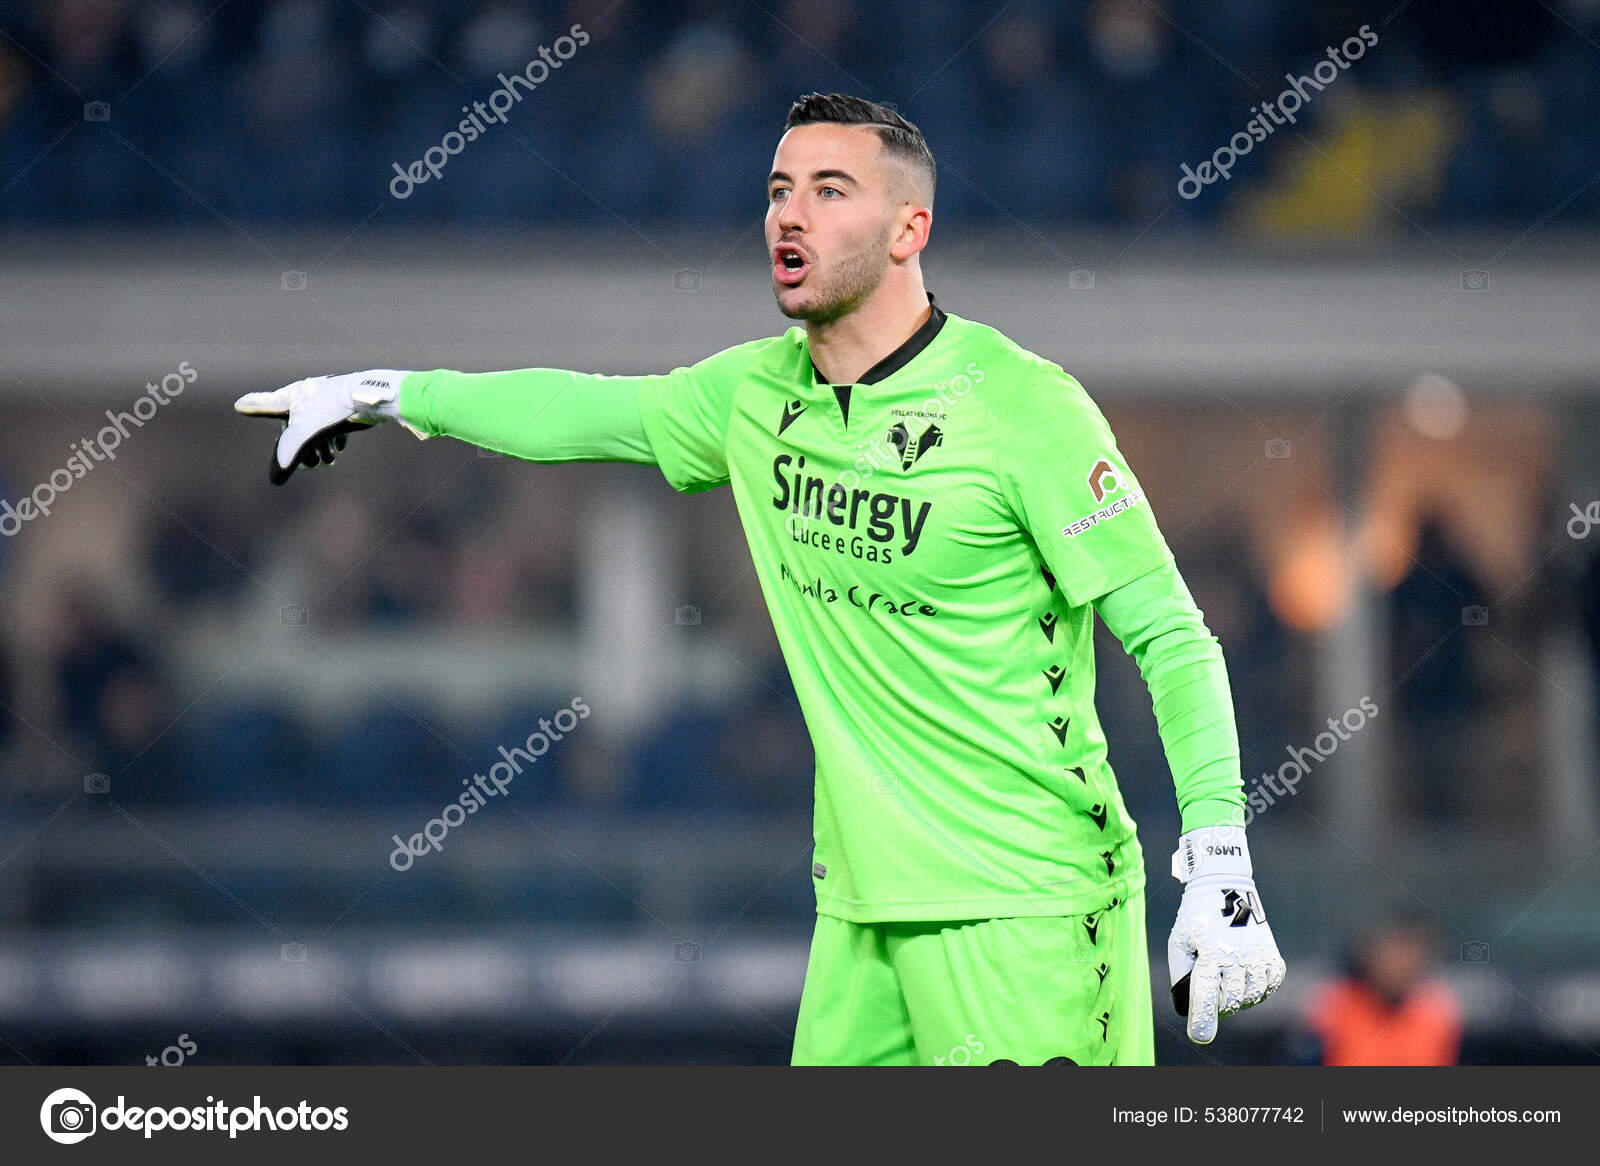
[{"x": 789, "y": 264}]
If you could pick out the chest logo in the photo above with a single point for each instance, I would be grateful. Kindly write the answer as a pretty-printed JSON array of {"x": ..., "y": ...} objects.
[{"x": 913, "y": 449}]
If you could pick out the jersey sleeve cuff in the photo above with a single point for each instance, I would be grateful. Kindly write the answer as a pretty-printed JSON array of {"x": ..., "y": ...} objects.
[
  {"x": 1212, "y": 812},
  {"x": 412, "y": 405}
]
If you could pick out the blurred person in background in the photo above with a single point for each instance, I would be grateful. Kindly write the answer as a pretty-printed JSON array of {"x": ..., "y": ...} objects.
[
  {"x": 1387, "y": 1008},
  {"x": 200, "y": 554},
  {"x": 115, "y": 703},
  {"x": 1436, "y": 687}
]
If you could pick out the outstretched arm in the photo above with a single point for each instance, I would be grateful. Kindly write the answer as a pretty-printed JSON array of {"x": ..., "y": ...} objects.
[
  {"x": 677, "y": 420},
  {"x": 538, "y": 414}
]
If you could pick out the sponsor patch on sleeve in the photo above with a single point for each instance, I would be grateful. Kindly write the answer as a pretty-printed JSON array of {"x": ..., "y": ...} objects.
[{"x": 1110, "y": 510}]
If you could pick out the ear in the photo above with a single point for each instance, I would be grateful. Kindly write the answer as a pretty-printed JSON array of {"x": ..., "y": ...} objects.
[{"x": 915, "y": 223}]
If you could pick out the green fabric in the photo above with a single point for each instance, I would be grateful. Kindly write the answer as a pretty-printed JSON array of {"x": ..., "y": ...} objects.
[
  {"x": 1156, "y": 620},
  {"x": 930, "y": 562},
  {"x": 539, "y": 414},
  {"x": 932, "y": 599},
  {"x": 1026, "y": 989}
]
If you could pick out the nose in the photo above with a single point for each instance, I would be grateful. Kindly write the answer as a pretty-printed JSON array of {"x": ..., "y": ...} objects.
[{"x": 791, "y": 215}]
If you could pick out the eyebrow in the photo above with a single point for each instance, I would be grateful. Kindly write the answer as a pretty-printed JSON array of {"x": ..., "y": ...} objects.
[{"x": 816, "y": 176}]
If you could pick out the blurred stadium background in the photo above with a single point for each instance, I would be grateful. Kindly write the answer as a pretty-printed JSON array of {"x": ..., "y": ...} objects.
[{"x": 1357, "y": 378}]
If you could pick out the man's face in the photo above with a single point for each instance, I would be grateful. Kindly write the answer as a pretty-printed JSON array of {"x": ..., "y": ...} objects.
[{"x": 832, "y": 211}]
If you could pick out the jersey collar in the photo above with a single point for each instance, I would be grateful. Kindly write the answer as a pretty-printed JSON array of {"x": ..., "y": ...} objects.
[{"x": 901, "y": 356}]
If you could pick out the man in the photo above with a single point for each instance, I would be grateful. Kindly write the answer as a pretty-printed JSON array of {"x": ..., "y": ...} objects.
[
  {"x": 935, "y": 515},
  {"x": 1388, "y": 1008}
]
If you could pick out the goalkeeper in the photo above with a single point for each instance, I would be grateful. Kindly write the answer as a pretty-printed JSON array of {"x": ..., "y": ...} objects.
[{"x": 935, "y": 515}]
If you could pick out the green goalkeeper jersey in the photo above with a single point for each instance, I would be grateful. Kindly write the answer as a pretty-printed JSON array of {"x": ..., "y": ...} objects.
[{"x": 929, "y": 541}]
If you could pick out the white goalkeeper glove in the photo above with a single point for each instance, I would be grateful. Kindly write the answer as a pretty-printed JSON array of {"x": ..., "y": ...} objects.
[
  {"x": 1221, "y": 953},
  {"x": 318, "y": 412}
]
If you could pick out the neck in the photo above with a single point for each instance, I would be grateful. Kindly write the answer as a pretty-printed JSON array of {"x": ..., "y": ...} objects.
[{"x": 846, "y": 348}]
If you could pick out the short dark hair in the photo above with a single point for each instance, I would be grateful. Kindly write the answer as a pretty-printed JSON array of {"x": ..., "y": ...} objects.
[{"x": 900, "y": 138}]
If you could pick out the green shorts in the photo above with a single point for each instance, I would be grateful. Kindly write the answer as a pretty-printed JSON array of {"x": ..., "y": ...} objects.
[{"x": 1030, "y": 990}]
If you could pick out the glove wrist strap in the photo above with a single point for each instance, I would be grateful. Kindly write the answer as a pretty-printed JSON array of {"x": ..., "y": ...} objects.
[
  {"x": 1212, "y": 850},
  {"x": 377, "y": 394}
]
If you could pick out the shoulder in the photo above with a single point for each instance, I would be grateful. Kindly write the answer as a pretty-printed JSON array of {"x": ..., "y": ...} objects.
[
  {"x": 1015, "y": 381},
  {"x": 767, "y": 352}
]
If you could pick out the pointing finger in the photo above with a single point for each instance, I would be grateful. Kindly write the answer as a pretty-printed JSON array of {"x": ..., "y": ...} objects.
[{"x": 269, "y": 404}]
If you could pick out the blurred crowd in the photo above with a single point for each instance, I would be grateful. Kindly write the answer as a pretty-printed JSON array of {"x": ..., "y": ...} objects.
[
  {"x": 127, "y": 658},
  {"x": 299, "y": 111},
  {"x": 126, "y": 650}
]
